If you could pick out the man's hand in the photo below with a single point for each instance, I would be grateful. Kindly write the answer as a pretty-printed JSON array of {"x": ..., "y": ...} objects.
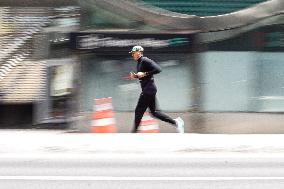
[
  {"x": 133, "y": 75},
  {"x": 141, "y": 74}
]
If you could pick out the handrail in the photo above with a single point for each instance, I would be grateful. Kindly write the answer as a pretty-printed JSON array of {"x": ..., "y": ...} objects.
[{"x": 170, "y": 20}]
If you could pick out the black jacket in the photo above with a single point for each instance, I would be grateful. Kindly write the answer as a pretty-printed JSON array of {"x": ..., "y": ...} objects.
[{"x": 147, "y": 65}]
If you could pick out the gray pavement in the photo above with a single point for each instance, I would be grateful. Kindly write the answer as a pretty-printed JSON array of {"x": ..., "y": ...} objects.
[{"x": 210, "y": 123}]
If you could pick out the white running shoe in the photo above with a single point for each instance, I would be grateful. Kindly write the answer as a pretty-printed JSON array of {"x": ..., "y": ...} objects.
[{"x": 180, "y": 125}]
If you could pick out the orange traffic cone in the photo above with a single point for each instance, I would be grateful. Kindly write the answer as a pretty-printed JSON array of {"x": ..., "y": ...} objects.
[
  {"x": 148, "y": 124},
  {"x": 103, "y": 120}
]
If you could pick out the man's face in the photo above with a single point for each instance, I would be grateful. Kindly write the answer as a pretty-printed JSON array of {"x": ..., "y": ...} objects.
[{"x": 136, "y": 55}]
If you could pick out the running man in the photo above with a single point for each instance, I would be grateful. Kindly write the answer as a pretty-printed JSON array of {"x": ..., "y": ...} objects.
[{"x": 146, "y": 68}]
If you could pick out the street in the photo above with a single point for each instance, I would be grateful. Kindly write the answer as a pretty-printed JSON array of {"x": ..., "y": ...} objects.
[
  {"x": 55, "y": 159},
  {"x": 138, "y": 94},
  {"x": 140, "y": 171}
]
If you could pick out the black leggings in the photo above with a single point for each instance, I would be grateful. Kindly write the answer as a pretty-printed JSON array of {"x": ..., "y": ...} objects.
[{"x": 148, "y": 101}]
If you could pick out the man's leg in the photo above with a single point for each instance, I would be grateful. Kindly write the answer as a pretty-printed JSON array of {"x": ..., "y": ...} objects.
[
  {"x": 140, "y": 109},
  {"x": 158, "y": 114}
]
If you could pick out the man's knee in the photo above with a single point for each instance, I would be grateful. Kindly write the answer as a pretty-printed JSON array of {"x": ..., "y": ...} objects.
[
  {"x": 155, "y": 113},
  {"x": 139, "y": 110}
]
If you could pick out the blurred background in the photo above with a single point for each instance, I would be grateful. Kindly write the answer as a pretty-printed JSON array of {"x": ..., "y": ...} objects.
[{"x": 222, "y": 61}]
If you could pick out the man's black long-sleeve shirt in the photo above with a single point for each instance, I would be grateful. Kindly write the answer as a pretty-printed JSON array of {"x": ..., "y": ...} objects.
[{"x": 147, "y": 65}]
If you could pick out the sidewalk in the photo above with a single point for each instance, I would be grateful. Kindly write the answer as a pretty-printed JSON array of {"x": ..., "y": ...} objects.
[{"x": 56, "y": 142}]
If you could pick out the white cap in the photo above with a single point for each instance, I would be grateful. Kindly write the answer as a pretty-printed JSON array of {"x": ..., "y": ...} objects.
[{"x": 137, "y": 48}]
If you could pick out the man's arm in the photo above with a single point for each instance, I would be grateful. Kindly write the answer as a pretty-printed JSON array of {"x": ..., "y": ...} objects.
[{"x": 152, "y": 67}]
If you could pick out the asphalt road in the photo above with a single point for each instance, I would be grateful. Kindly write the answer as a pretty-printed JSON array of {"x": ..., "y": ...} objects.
[{"x": 127, "y": 171}]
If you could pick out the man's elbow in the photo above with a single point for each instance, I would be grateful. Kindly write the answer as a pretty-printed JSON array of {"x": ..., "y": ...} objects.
[{"x": 159, "y": 71}]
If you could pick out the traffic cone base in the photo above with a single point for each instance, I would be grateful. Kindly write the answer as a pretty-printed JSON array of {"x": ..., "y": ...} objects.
[{"x": 104, "y": 129}]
